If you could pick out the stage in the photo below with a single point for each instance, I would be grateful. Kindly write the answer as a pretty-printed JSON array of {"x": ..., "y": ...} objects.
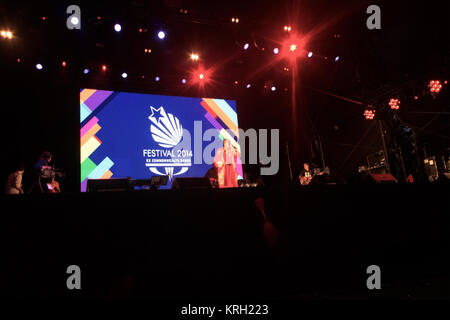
[{"x": 209, "y": 243}]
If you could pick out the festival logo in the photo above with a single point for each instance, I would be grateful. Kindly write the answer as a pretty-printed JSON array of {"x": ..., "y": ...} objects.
[{"x": 167, "y": 132}]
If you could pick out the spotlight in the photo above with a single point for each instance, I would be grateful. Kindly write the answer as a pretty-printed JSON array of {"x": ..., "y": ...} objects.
[
  {"x": 157, "y": 79},
  {"x": 336, "y": 59},
  {"x": 39, "y": 66},
  {"x": 18, "y": 59},
  {"x": 273, "y": 88},
  {"x": 64, "y": 64},
  {"x": 310, "y": 54},
  {"x": 369, "y": 114},
  {"x": 117, "y": 27},
  {"x": 194, "y": 57},
  {"x": 248, "y": 86},
  {"x": 246, "y": 46},
  {"x": 236, "y": 82},
  {"x": 275, "y": 50},
  {"x": 74, "y": 21},
  {"x": 104, "y": 67},
  {"x": 124, "y": 75},
  {"x": 140, "y": 29},
  {"x": 161, "y": 35},
  {"x": 287, "y": 28},
  {"x": 435, "y": 86},
  {"x": 86, "y": 71},
  {"x": 6, "y": 34},
  {"x": 394, "y": 104},
  {"x": 201, "y": 76},
  {"x": 183, "y": 81},
  {"x": 293, "y": 47}
]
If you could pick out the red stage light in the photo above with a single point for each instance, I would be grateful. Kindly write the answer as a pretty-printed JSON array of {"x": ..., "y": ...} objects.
[
  {"x": 416, "y": 97},
  {"x": 18, "y": 59},
  {"x": 140, "y": 29},
  {"x": 369, "y": 114},
  {"x": 43, "y": 18},
  {"x": 435, "y": 86},
  {"x": 64, "y": 64},
  {"x": 293, "y": 48},
  {"x": 104, "y": 67},
  {"x": 394, "y": 104}
]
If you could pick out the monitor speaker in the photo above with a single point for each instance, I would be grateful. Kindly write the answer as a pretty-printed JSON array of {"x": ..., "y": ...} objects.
[{"x": 191, "y": 183}]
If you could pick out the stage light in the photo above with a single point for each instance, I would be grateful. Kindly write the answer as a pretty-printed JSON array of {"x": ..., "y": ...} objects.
[
  {"x": 104, "y": 67},
  {"x": 336, "y": 59},
  {"x": 310, "y": 54},
  {"x": 157, "y": 79},
  {"x": 86, "y": 71},
  {"x": 183, "y": 81},
  {"x": 237, "y": 20},
  {"x": 287, "y": 28},
  {"x": 43, "y": 18},
  {"x": 18, "y": 59},
  {"x": 246, "y": 46},
  {"x": 435, "y": 86},
  {"x": 416, "y": 97},
  {"x": 7, "y": 34},
  {"x": 64, "y": 64},
  {"x": 140, "y": 29},
  {"x": 232, "y": 20},
  {"x": 293, "y": 47},
  {"x": 194, "y": 57},
  {"x": 201, "y": 76},
  {"x": 124, "y": 75},
  {"x": 39, "y": 66},
  {"x": 275, "y": 50},
  {"x": 248, "y": 86},
  {"x": 117, "y": 27},
  {"x": 74, "y": 21},
  {"x": 394, "y": 104},
  {"x": 161, "y": 35},
  {"x": 273, "y": 88},
  {"x": 369, "y": 114},
  {"x": 236, "y": 82}
]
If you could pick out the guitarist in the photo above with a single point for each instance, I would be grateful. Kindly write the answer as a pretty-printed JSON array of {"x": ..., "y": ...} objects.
[{"x": 306, "y": 175}]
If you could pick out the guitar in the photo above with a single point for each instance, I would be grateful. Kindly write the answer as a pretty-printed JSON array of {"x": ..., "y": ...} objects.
[
  {"x": 53, "y": 187},
  {"x": 306, "y": 179}
]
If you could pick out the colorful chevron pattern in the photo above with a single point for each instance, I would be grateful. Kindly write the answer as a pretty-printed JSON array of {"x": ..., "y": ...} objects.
[
  {"x": 90, "y": 100},
  {"x": 222, "y": 117}
]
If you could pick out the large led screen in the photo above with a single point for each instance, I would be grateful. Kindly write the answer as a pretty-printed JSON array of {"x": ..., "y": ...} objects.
[{"x": 137, "y": 136}]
